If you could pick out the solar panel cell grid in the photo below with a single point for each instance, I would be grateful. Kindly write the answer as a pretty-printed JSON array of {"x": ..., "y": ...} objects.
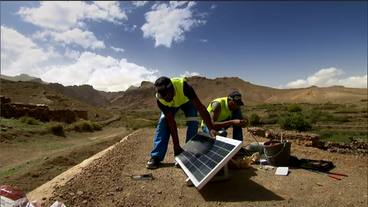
[{"x": 202, "y": 154}]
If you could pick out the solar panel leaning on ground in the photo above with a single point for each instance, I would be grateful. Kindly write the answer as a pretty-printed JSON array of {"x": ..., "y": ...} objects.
[{"x": 203, "y": 157}]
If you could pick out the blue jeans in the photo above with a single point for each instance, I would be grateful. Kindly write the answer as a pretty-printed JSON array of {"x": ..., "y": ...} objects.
[
  {"x": 162, "y": 135},
  {"x": 237, "y": 130}
]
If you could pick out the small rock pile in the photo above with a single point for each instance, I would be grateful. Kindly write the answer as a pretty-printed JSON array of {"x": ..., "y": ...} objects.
[
  {"x": 306, "y": 139},
  {"x": 359, "y": 148},
  {"x": 355, "y": 147}
]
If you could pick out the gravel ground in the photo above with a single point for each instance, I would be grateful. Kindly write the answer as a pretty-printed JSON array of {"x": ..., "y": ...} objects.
[{"x": 104, "y": 180}]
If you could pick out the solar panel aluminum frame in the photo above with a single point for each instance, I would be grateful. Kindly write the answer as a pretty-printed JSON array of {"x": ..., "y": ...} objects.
[{"x": 200, "y": 183}]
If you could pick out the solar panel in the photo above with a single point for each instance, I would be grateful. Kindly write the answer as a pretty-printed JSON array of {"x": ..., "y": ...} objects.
[{"x": 203, "y": 157}]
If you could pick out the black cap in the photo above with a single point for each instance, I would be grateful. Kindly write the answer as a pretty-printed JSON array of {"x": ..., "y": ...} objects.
[
  {"x": 235, "y": 96},
  {"x": 162, "y": 86}
]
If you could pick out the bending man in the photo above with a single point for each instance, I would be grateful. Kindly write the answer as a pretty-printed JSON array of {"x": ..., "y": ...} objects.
[
  {"x": 172, "y": 95},
  {"x": 225, "y": 112}
]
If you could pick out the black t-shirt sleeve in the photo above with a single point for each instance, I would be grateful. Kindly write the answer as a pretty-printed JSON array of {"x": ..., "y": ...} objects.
[
  {"x": 163, "y": 108},
  {"x": 189, "y": 91}
]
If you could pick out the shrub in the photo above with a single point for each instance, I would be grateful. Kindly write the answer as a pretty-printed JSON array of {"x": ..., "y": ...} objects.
[
  {"x": 342, "y": 118},
  {"x": 254, "y": 120},
  {"x": 314, "y": 115},
  {"x": 312, "y": 120},
  {"x": 140, "y": 119},
  {"x": 273, "y": 115},
  {"x": 332, "y": 118},
  {"x": 294, "y": 108},
  {"x": 29, "y": 120},
  {"x": 324, "y": 134},
  {"x": 270, "y": 107},
  {"x": 347, "y": 111},
  {"x": 329, "y": 106},
  {"x": 85, "y": 126},
  {"x": 271, "y": 120},
  {"x": 56, "y": 128},
  {"x": 245, "y": 117},
  {"x": 96, "y": 126},
  {"x": 295, "y": 122}
]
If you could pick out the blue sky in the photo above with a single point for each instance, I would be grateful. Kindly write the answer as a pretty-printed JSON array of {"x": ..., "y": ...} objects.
[{"x": 113, "y": 45}]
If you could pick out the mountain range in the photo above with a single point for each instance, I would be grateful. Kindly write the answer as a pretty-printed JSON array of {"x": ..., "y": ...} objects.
[{"x": 143, "y": 97}]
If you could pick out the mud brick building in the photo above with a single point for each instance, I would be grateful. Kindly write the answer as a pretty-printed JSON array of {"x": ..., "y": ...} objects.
[{"x": 39, "y": 111}]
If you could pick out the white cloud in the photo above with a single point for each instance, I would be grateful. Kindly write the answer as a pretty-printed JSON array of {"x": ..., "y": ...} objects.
[
  {"x": 108, "y": 11},
  {"x": 354, "y": 82},
  {"x": 86, "y": 39},
  {"x": 328, "y": 77},
  {"x": 19, "y": 54},
  {"x": 189, "y": 74},
  {"x": 297, "y": 84},
  {"x": 139, "y": 3},
  {"x": 72, "y": 54},
  {"x": 62, "y": 25},
  {"x": 103, "y": 73},
  {"x": 167, "y": 23},
  {"x": 63, "y": 21},
  {"x": 64, "y": 15},
  {"x": 116, "y": 49}
]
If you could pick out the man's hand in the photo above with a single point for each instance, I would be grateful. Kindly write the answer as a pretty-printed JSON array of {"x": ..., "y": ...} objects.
[
  {"x": 213, "y": 133},
  {"x": 242, "y": 123},
  {"x": 245, "y": 123},
  {"x": 178, "y": 150}
]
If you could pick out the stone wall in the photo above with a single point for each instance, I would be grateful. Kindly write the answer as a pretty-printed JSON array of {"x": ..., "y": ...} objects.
[
  {"x": 359, "y": 148},
  {"x": 40, "y": 112},
  {"x": 301, "y": 138}
]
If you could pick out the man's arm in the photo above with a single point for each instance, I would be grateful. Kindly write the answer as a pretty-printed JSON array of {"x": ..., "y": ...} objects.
[
  {"x": 224, "y": 124},
  {"x": 172, "y": 127},
  {"x": 215, "y": 112},
  {"x": 174, "y": 132},
  {"x": 205, "y": 115},
  {"x": 191, "y": 94}
]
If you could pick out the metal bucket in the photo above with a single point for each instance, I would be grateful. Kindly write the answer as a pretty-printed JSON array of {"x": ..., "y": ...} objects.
[{"x": 277, "y": 153}]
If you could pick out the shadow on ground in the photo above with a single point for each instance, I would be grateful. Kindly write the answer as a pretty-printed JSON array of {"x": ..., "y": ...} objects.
[{"x": 239, "y": 187}]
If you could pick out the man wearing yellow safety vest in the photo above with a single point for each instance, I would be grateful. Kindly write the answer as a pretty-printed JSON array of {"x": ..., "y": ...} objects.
[
  {"x": 172, "y": 95},
  {"x": 225, "y": 112}
]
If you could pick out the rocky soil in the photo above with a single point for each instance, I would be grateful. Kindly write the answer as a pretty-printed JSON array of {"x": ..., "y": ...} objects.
[{"x": 104, "y": 180}]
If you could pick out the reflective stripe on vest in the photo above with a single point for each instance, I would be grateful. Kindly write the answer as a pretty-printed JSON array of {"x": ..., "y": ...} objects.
[
  {"x": 179, "y": 97},
  {"x": 225, "y": 111}
]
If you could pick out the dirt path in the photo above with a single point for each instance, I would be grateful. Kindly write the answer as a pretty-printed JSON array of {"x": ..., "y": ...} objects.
[{"x": 105, "y": 181}]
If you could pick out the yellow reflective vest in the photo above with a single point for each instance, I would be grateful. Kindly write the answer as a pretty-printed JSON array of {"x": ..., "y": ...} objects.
[
  {"x": 225, "y": 111},
  {"x": 179, "y": 97}
]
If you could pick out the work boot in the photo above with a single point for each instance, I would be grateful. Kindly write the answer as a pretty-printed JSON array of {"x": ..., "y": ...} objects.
[{"x": 153, "y": 162}]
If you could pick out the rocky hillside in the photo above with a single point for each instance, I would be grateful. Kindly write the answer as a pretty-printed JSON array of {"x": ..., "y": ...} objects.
[
  {"x": 208, "y": 89},
  {"x": 38, "y": 93},
  {"x": 22, "y": 77},
  {"x": 83, "y": 93},
  {"x": 143, "y": 97}
]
